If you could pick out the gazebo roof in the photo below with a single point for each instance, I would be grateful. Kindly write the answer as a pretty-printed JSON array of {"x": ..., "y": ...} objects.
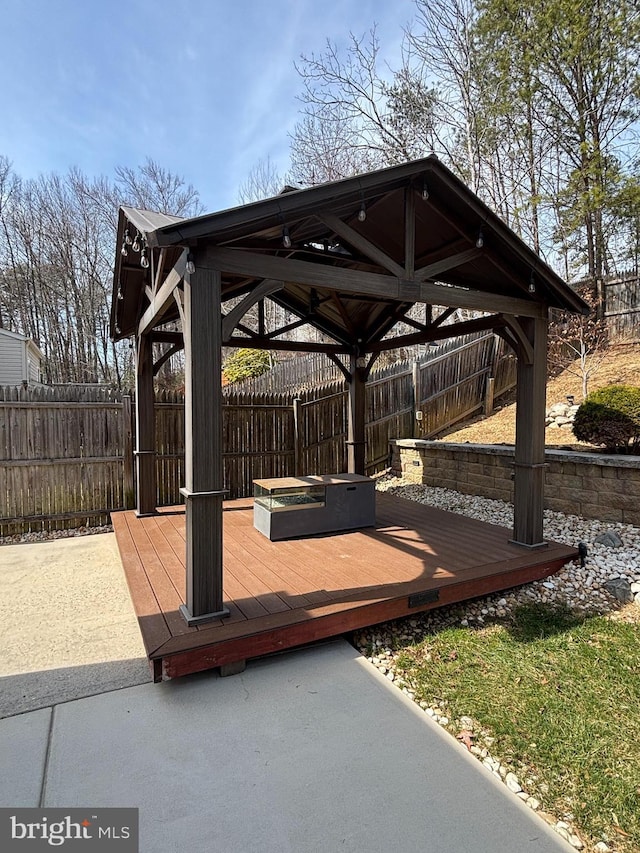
[{"x": 345, "y": 257}]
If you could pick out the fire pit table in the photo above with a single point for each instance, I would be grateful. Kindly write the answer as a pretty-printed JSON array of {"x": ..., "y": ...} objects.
[{"x": 287, "y": 507}]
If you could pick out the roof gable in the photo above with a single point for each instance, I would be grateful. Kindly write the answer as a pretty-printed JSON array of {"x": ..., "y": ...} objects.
[{"x": 416, "y": 227}]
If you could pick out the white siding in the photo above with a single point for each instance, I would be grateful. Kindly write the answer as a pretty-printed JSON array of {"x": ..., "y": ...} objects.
[
  {"x": 34, "y": 368},
  {"x": 11, "y": 360}
]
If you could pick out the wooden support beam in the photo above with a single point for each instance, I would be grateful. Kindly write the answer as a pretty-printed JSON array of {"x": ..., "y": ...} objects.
[
  {"x": 480, "y": 324},
  {"x": 231, "y": 320},
  {"x": 145, "y": 451},
  {"x": 166, "y": 356},
  {"x": 524, "y": 346},
  {"x": 204, "y": 486},
  {"x": 159, "y": 271},
  {"x": 438, "y": 267},
  {"x": 528, "y": 499},
  {"x": 257, "y": 342},
  {"x": 442, "y": 317},
  {"x": 409, "y": 232},
  {"x": 356, "y": 445},
  {"x": 340, "y": 365},
  {"x": 357, "y": 241},
  {"x": 354, "y": 281},
  {"x": 163, "y": 297}
]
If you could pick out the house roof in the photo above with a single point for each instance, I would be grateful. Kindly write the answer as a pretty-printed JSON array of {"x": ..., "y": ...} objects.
[{"x": 368, "y": 266}]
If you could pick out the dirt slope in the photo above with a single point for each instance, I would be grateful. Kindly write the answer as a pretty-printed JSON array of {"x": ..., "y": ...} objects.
[{"x": 621, "y": 367}]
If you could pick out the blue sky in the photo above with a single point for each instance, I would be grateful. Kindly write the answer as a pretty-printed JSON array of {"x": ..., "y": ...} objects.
[{"x": 205, "y": 88}]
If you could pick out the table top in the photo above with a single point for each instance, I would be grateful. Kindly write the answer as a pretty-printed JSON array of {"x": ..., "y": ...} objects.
[{"x": 311, "y": 480}]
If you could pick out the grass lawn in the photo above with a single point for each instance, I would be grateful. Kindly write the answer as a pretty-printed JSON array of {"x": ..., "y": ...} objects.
[{"x": 560, "y": 694}]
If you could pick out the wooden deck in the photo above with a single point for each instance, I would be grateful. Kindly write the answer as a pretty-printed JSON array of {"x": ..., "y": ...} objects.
[{"x": 286, "y": 594}]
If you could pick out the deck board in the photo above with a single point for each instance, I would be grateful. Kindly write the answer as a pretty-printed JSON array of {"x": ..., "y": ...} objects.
[{"x": 288, "y": 593}]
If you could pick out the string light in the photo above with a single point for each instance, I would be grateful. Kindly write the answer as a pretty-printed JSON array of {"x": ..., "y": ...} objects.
[
  {"x": 136, "y": 242},
  {"x": 127, "y": 237},
  {"x": 120, "y": 293},
  {"x": 480, "y": 240},
  {"x": 286, "y": 238},
  {"x": 123, "y": 251},
  {"x": 191, "y": 267},
  {"x": 425, "y": 190},
  {"x": 144, "y": 260},
  {"x": 362, "y": 213},
  {"x": 532, "y": 283}
]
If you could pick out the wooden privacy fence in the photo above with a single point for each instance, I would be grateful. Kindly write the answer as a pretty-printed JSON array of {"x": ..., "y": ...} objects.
[
  {"x": 66, "y": 455},
  {"x": 622, "y": 307}
]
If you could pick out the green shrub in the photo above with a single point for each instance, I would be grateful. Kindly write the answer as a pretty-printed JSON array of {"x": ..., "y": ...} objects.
[
  {"x": 246, "y": 363},
  {"x": 610, "y": 418}
]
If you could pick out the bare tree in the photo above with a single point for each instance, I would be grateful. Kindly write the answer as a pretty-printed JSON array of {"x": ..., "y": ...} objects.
[
  {"x": 263, "y": 181},
  {"x": 56, "y": 262},
  {"x": 357, "y": 116},
  {"x": 578, "y": 344},
  {"x": 152, "y": 187}
]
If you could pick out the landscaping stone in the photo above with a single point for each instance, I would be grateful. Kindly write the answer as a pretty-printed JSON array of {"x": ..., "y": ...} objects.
[
  {"x": 610, "y": 539},
  {"x": 512, "y": 783},
  {"x": 620, "y": 588}
]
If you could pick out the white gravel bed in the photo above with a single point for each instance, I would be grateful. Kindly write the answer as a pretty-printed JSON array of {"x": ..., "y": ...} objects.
[
  {"x": 580, "y": 587},
  {"x": 47, "y": 536}
]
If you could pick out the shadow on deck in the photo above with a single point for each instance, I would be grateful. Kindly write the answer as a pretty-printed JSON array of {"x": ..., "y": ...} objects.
[{"x": 286, "y": 594}]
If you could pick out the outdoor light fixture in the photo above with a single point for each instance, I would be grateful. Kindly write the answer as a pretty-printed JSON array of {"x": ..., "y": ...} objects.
[
  {"x": 136, "y": 242},
  {"x": 480, "y": 240},
  {"x": 191, "y": 267},
  {"x": 144, "y": 260},
  {"x": 362, "y": 213},
  {"x": 286, "y": 238},
  {"x": 127, "y": 237},
  {"x": 583, "y": 552},
  {"x": 425, "y": 190},
  {"x": 532, "y": 284}
]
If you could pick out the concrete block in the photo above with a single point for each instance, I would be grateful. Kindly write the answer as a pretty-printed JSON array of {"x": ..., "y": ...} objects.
[
  {"x": 564, "y": 481},
  {"x": 593, "y": 510}
]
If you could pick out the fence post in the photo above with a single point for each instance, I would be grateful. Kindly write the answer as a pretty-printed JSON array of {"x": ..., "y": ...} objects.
[
  {"x": 129, "y": 494},
  {"x": 488, "y": 395},
  {"x": 417, "y": 398},
  {"x": 297, "y": 443},
  {"x": 489, "y": 391}
]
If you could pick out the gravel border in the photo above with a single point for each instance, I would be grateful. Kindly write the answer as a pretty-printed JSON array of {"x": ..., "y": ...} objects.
[{"x": 49, "y": 535}]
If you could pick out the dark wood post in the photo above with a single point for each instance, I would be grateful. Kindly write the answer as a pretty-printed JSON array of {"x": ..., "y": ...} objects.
[
  {"x": 417, "y": 398},
  {"x": 297, "y": 437},
  {"x": 530, "y": 423},
  {"x": 203, "y": 490},
  {"x": 145, "y": 451},
  {"x": 356, "y": 446},
  {"x": 128, "y": 466}
]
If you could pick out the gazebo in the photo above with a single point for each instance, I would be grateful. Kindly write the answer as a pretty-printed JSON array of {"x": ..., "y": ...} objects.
[{"x": 350, "y": 259}]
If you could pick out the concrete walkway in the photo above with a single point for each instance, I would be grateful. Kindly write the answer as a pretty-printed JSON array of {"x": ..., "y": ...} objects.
[
  {"x": 313, "y": 750},
  {"x": 67, "y": 625}
]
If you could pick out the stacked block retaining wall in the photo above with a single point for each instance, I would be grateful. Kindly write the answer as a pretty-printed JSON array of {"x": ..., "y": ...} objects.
[{"x": 598, "y": 486}]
